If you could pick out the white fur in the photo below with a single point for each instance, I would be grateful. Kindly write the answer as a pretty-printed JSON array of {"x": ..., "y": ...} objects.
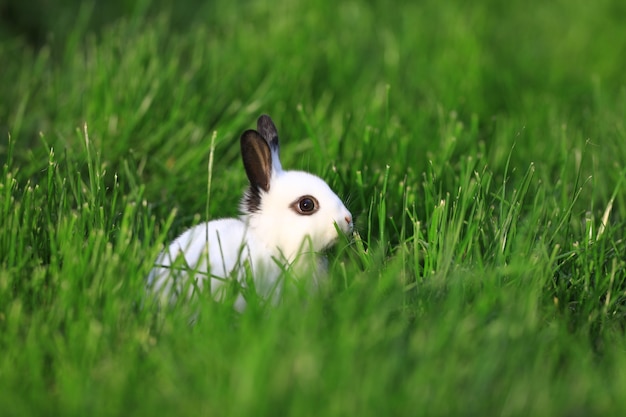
[{"x": 266, "y": 241}]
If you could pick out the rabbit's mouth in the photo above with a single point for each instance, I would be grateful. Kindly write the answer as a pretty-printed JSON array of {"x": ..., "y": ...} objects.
[
  {"x": 346, "y": 226},
  {"x": 343, "y": 229}
]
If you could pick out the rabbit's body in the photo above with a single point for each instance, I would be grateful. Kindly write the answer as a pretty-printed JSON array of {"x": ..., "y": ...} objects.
[
  {"x": 207, "y": 254},
  {"x": 288, "y": 217}
]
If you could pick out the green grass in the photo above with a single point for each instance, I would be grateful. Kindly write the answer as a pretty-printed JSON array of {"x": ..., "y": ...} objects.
[{"x": 480, "y": 147}]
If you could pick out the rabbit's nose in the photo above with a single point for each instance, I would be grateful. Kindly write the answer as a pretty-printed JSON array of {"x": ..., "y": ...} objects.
[{"x": 348, "y": 219}]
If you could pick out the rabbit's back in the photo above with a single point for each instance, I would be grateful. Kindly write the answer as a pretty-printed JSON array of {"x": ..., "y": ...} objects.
[{"x": 217, "y": 248}]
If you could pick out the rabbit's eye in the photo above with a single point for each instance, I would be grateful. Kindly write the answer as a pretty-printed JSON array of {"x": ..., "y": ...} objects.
[{"x": 306, "y": 205}]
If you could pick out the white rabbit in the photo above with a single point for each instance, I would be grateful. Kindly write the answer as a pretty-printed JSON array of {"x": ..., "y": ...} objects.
[{"x": 287, "y": 218}]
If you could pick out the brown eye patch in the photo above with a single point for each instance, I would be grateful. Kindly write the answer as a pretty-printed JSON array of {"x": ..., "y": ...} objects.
[{"x": 305, "y": 205}]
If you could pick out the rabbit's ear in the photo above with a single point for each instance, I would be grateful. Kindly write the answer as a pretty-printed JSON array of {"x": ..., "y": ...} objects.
[
  {"x": 257, "y": 159},
  {"x": 268, "y": 131}
]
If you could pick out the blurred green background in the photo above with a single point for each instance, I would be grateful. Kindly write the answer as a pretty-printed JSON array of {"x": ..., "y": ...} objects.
[{"x": 432, "y": 80}]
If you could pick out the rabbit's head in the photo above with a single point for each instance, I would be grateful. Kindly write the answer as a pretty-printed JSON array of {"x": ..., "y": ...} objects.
[{"x": 291, "y": 211}]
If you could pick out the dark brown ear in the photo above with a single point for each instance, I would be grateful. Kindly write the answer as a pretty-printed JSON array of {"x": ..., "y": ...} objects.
[
  {"x": 257, "y": 159},
  {"x": 268, "y": 130}
]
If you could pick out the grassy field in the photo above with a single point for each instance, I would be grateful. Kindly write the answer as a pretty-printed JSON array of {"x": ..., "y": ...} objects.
[{"x": 480, "y": 146}]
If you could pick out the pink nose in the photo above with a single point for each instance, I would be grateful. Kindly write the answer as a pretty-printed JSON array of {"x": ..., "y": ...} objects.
[{"x": 348, "y": 219}]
